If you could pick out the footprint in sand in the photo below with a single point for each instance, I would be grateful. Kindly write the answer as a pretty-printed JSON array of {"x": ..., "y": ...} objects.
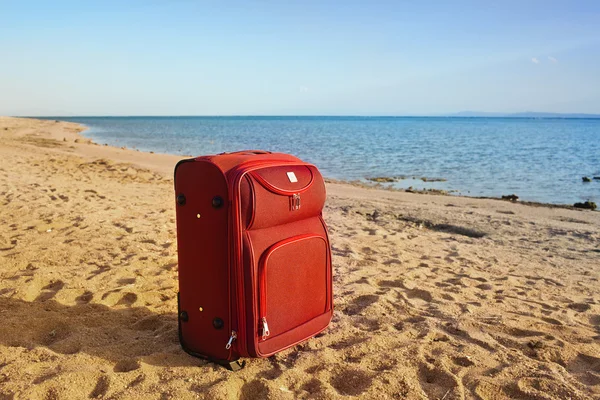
[
  {"x": 359, "y": 304},
  {"x": 368, "y": 250},
  {"x": 351, "y": 382},
  {"x": 105, "y": 295},
  {"x": 203, "y": 388},
  {"x": 579, "y": 307},
  {"x": 463, "y": 361},
  {"x": 85, "y": 297},
  {"x": 101, "y": 269},
  {"x": 254, "y": 390},
  {"x": 171, "y": 266},
  {"x": 551, "y": 321},
  {"x": 313, "y": 386},
  {"x": 272, "y": 373},
  {"x": 50, "y": 290},
  {"x": 43, "y": 378},
  {"x": 51, "y": 394},
  {"x": 415, "y": 320},
  {"x": 399, "y": 326},
  {"x": 101, "y": 388},
  {"x": 138, "y": 379},
  {"x": 438, "y": 383},
  {"x": 151, "y": 323},
  {"x": 369, "y": 325},
  {"x": 419, "y": 294},
  {"x": 399, "y": 283},
  {"x": 586, "y": 362},
  {"x": 127, "y": 365},
  {"x": 456, "y": 282},
  {"x": 348, "y": 343},
  {"x": 126, "y": 281},
  {"x": 488, "y": 390},
  {"x": 128, "y": 299},
  {"x": 540, "y": 387},
  {"x": 57, "y": 332},
  {"x": 123, "y": 226}
]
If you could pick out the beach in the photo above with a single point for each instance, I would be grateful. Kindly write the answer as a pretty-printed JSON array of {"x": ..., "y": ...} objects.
[{"x": 436, "y": 297}]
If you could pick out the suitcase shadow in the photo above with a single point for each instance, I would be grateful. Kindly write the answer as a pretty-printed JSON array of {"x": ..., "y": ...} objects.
[{"x": 122, "y": 336}]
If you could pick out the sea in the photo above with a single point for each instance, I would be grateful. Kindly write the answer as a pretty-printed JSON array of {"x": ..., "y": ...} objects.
[{"x": 541, "y": 160}]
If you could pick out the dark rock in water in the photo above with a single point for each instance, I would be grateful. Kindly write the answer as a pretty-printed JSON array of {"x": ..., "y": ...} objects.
[
  {"x": 436, "y": 191},
  {"x": 511, "y": 197},
  {"x": 596, "y": 178},
  {"x": 588, "y": 205},
  {"x": 426, "y": 179},
  {"x": 586, "y": 179},
  {"x": 383, "y": 179}
]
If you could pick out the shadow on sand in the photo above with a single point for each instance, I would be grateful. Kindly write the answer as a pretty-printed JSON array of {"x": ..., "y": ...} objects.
[{"x": 122, "y": 336}]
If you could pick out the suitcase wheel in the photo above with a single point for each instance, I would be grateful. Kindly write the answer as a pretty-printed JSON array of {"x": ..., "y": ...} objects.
[{"x": 184, "y": 316}]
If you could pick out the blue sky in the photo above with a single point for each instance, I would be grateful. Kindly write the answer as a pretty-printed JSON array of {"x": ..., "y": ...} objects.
[{"x": 156, "y": 57}]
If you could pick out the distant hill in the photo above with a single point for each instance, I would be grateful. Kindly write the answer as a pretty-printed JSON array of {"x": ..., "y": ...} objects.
[{"x": 523, "y": 115}]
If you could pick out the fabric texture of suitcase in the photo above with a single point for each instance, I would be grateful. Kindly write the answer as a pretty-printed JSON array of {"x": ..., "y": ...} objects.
[{"x": 255, "y": 272}]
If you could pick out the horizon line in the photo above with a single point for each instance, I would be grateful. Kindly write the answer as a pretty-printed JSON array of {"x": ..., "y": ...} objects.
[{"x": 542, "y": 115}]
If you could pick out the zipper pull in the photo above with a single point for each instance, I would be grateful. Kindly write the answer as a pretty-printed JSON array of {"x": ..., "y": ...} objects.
[
  {"x": 231, "y": 339},
  {"x": 295, "y": 202},
  {"x": 265, "y": 328}
]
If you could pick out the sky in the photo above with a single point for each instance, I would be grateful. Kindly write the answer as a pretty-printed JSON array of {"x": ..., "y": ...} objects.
[{"x": 176, "y": 57}]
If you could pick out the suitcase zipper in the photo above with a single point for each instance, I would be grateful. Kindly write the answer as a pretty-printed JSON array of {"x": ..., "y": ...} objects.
[
  {"x": 295, "y": 202},
  {"x": 265, "y": 331},
  {"x": 231, "y": 339},
  {"x": 262, "y": 306}
]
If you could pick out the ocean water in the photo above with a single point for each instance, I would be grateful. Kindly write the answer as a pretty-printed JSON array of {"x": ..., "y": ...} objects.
[{"x": 537, "y": 159}]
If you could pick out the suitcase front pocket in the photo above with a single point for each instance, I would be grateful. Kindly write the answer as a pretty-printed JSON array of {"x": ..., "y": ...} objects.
[{"x": 292, "y": 284}]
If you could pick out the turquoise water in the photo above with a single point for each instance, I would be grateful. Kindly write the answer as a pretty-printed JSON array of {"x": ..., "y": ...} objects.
[{"x": 537, "y": 159}]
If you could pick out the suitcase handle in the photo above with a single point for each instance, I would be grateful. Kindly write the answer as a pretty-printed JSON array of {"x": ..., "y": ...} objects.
[{"x": 248, "y": 152}]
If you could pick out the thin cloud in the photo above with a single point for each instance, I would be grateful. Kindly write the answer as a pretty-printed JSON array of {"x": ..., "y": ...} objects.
[
  {"x": 535, "y": 60},
  {"x": 303, "y": 89},
  {"x": 552, "y": 59}
]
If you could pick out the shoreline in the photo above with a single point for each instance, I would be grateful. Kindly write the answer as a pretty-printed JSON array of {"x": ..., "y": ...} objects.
[
  {"x": 435, "y": 296},
  {"x": 357, "y": 183}
]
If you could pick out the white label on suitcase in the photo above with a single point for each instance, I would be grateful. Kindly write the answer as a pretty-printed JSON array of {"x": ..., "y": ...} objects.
[{"x": 292, "y": 177}]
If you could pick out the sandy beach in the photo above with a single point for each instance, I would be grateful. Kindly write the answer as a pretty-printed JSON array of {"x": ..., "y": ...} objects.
[{"x": 436, "y": 297}]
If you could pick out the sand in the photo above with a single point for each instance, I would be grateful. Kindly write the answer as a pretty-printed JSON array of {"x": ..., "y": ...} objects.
[{"x": 436, "y": 297}]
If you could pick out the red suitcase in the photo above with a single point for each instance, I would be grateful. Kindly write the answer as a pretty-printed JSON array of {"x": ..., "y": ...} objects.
[{"x": 255, "y": 271}]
